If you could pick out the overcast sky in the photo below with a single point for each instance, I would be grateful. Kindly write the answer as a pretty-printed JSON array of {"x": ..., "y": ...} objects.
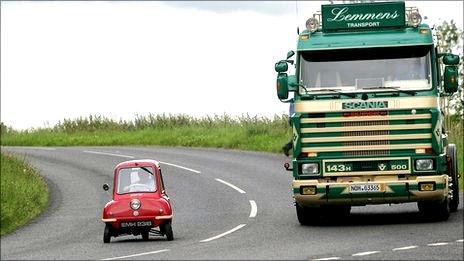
[{"x": 117, "y": 59}]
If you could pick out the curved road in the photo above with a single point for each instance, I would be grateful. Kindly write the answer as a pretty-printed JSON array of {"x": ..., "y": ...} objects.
[{"x": 227, "y": 205}]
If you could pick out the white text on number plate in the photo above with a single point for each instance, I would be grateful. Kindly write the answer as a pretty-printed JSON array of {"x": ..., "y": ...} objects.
[{"x": 362, "y": 188}]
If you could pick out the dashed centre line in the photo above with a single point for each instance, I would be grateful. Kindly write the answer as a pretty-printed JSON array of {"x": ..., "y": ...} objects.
[
  {"x": 140, "y": 254},
  {"x": 254, "y": 209},
  {"x": 231, "y": 185},
  {"x": 132, "y": 157},
  {"x": 403, "y": 248},
  {"x": 108, "y": 154},
  {"x": 181, "y": 167},
  {"x": 438, "y": 244},
  {"x": 394, "y": 249},
  {"x": 329, "y": 258},
  {"x": 366, "y": 253},
  {"x": 223, "y": 234}
]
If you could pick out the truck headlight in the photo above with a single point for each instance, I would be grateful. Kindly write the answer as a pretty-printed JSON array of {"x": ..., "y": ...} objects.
[
  {"x": 310, "y": 168},
  {"x": 135, "y": 204},
  {"x": 424, "y": 164}
]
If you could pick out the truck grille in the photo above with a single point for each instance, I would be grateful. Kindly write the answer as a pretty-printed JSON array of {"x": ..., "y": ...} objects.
[{"x": 384, "y": 134}]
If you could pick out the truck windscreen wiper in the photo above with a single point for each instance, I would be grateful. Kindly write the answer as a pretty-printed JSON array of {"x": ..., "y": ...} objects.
[
  {"x": 351, "y": 95},
  {"x": 391, "y": 88}
]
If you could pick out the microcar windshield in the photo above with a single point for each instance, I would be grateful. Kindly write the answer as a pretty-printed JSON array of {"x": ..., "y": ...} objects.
[
  {"x": 362, "y": 69},
  {"x": 140, "y": 179}
]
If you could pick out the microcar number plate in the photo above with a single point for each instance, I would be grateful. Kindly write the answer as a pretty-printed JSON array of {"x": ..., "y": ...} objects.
[
  {"x": 136, "y": 224},
  {"x": 368, "y": 187}
]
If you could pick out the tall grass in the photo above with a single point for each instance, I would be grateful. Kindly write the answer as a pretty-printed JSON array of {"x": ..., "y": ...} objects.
[
  {"x": 245, "y": 132},
  {"x": 24, "y": 194}
]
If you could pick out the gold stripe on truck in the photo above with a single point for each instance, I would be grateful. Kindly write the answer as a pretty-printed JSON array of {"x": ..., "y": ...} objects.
[
  {"x": 371, "y": 147},
  {"x": 367, "y": 118},
  {"x": 368, "y": 128},
  {"x": 368, "y": 138}
]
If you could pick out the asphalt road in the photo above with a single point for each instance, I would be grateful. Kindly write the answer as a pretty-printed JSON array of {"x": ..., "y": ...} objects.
[{"x": 227, "y": 205}]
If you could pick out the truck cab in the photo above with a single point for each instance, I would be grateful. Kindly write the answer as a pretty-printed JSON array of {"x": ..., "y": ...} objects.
[{"x": 368, "y": 124}]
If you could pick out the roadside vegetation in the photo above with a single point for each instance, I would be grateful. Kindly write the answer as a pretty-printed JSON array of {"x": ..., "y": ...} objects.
[
  {"x": 245, "y": 133},
  {"x": 24, "y": 194}
]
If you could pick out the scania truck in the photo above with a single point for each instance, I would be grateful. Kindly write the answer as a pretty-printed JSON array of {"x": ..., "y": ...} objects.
[{"x": 368, "y": 88}]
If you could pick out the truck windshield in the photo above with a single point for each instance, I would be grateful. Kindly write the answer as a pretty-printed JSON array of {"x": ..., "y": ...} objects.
[{"x": 365, "y": 69}]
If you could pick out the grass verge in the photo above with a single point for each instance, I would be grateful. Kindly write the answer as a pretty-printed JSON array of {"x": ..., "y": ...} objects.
[{"x": 24, "y": 194}]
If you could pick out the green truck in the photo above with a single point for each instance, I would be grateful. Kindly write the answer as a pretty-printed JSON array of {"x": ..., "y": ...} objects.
[{"x": 368, "y": 90}]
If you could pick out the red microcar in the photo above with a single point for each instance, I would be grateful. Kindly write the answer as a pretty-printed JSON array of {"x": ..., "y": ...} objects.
[{"x": 139, "y": 203}]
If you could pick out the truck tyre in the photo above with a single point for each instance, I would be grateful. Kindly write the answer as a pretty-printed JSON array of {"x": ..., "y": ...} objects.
[
  {"x": 145, "y": 235},
  {"x": 107, "y": 234},
  {"x": 436, "y": 210},
  {"x": 337, "y": 211},
  {"x": 307, "y": 216},
  {"x": 166, "y": 229},
  {"x": 453, "y": 173}
]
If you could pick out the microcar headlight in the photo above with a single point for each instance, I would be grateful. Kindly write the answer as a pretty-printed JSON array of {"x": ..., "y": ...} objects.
[
  {"x": 135, "y": 204},
  {"x": 424, "y": 164},
  {"x": 414, "y": 19},
  {"x": 312, "y": 24},
  {"x": 310, "y": 168}
]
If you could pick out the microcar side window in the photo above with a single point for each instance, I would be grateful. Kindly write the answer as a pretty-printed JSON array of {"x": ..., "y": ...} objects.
[{"x": 138, "y": 179}]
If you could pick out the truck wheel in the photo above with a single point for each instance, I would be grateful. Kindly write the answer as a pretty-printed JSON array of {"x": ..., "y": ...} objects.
[
  {"x": 453, "y": 172},
  {"x": 107, "y": 234},
  {"x": 436, "y": 210},
  {"x": 167, "y": 229},
  {"x": 307, "y": 216},
  {"x": 145, "y": 235},
  {"x": 337, "y": 211}
]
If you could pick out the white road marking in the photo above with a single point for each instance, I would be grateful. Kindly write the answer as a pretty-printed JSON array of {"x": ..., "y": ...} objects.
[
  {"x": 438, "y": 244},
  {"x": 132, "y": 157},
  {"x": 329, "y": 258},
  {"x": 181, "y": 167},
  {"x": 141, "y": 254},
  {"x": 404, "y": 248},
  {"x": 108, "y": 154},
  {"x": 254, "y": 209},
  {"x": 223, "y": 234},
  {"x": 230, "y": 185},
  {"x": 460, "y": 240},
  {"x": 366, "y": 253}
]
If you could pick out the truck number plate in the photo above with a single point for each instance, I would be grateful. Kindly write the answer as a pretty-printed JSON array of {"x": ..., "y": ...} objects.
[{"x": 363, "y": 188}]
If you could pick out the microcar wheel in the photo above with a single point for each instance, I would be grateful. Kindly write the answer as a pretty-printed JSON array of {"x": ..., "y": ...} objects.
[
  {"x": 107, "y": 234},
  {"x": 453, "y": 172},
  {"x": 145, "y": 235},
  {"x": 167, "y": 229}
]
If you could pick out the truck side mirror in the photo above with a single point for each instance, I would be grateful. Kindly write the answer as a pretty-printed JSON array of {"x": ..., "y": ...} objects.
[
  {"x": 290, "y": 54},
  {"x": 450, "y": 78},
  {"x": 106, "y": 187},
  {"x": 282, "y": 86},
  {"x": 450, "y": 59},
  {"x": 281, "y": 67}
]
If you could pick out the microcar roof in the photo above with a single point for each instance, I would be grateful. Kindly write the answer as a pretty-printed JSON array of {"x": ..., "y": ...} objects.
[{"x": 136, "y": 163}]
